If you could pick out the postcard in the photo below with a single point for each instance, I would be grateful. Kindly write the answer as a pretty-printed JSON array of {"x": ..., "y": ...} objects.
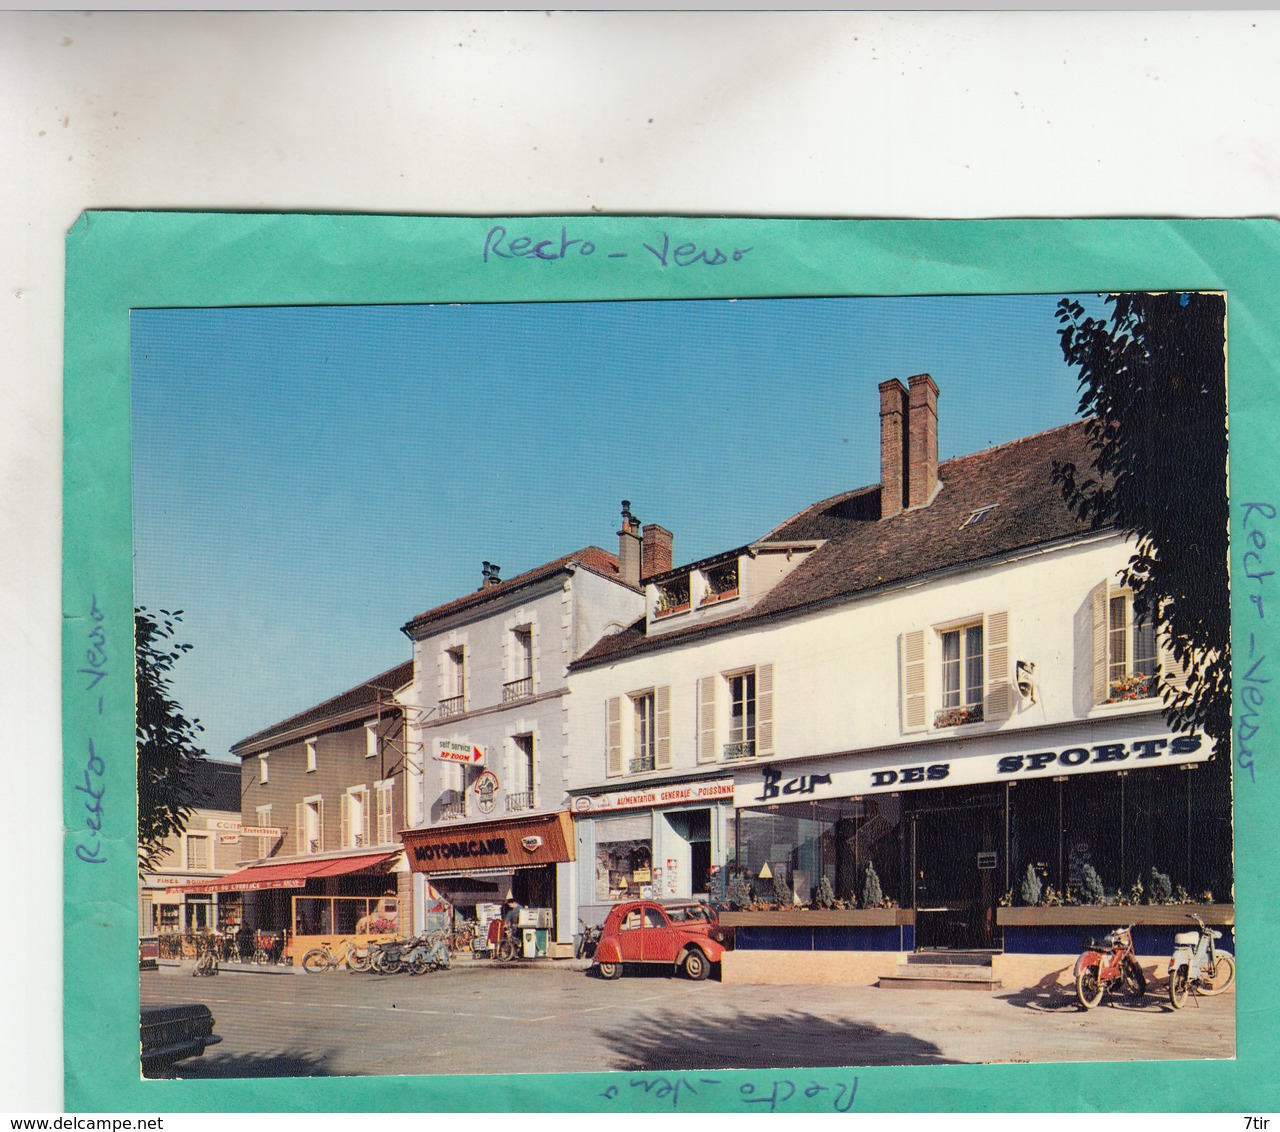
[{"x": 667, "y": 664}]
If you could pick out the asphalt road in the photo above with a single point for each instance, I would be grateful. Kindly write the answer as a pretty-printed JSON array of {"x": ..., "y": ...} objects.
[{"x": 557, "y": 1018}]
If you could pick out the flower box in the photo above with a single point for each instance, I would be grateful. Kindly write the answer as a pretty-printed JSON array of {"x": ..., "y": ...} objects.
[
  {"x": 1131, "y": 688},
  {"x": 671, "y": 610},
  {"x": 820, "y": 918},
  {"x": 724, "y": 595},
  {"x": 1114, "y": 915},
  {"x": 957, "y": 716}
]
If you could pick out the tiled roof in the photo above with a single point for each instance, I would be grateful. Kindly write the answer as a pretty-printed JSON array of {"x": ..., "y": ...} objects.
[
  {"x": 864, "y": 552},
  {"x": 591, "y": 557},
  {"x": 364, "y": 695},
  {"x": 213, "y": 785}
]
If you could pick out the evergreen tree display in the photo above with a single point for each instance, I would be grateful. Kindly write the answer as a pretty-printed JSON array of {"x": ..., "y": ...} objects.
[
  {"x": 1091, "y": 885},
  {"x": 782, "y": 893},
  {"x": 1029, "y": 890},
  {"x": 872, "y": 896},
  {"x": 739, "y": 892},
  {"x": 824, "y": 896},
  {"x": 1159, "y": 887}
]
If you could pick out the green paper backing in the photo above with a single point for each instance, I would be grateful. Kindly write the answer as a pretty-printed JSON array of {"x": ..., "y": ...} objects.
[{"x": 121, "y": 260}]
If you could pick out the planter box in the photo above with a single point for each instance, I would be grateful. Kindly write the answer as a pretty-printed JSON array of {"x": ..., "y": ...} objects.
[
  {"x": 821, "y": 918},
  {"x": 1115, "y": 915}
]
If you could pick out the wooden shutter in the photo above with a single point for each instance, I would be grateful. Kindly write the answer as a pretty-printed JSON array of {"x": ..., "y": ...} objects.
[
  {"x": 613, "y": 737},
  {"x": 764, "y": 709},
  {"x": 364, "y": 811},
  {"x": 662, "y": 727},
  {"x": 344, "y": 805},
  {"x": 299, "y": 828},
  {"x": 914, "y": 704},
  {"x": 1100, "y": 638},
  {"x": 320, "y": 824},
  {"x": 707, "y": 719},
  {"x": 999, "y": 690},
  {"x": 1175, "y": 675}
]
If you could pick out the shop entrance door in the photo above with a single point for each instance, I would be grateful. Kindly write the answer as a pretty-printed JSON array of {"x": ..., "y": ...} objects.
[{"x": 956, "y": 864}]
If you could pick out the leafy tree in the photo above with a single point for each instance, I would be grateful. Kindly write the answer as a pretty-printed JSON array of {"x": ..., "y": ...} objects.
[
  {"x": 167, "y": 739},
  {"x": 1152, "y": 376}
]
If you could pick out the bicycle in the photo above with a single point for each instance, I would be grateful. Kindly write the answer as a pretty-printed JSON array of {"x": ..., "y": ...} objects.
[
  {"x": 349, "y": 954},
  {"x": 206, "y": 956}
]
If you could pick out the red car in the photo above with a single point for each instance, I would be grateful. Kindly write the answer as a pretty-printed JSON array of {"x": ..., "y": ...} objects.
[{"x": 687, "y": 936}]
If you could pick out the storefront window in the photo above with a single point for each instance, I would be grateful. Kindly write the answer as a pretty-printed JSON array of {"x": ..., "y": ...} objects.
[
  {"x": 344, "y": 915},
  {"x": 624, "y": 856}
]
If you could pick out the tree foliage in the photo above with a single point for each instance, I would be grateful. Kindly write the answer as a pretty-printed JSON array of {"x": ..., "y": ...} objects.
[
  {"x": 1152, "y": 375},
  {"x": 167, "y": 739}
]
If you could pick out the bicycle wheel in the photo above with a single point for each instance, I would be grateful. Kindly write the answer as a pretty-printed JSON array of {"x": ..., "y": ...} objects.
[
  {"x": 317, "y": 959},
  {"x": 206, "y": 964},
  {"x": 440, "y": 957},
  {"x": 358, "y": 961},
  {"x": 1224, "y": 973},
  {"x": 1088, "y": 988},
  {"x": 419, "y": 964},
  {"x": 506, "y": 951}
]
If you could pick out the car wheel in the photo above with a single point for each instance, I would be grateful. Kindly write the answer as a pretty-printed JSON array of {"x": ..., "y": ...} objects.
[
  {"x": 696, "y": 966},
  {"x": 609, "y": 970}
]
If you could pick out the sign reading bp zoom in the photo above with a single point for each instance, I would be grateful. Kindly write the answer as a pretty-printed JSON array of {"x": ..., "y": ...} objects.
[
  {"x": 851, "y": 776},
  {"x": 447, "y": 751}
]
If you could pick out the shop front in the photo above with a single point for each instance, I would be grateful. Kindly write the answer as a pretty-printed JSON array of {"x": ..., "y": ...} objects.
[
  {"x": 1007, "y": 844},
  {"x": 475, "y": 867},
  {"x": 298, "y": 904},
  {"x": 664, "y": 842}
]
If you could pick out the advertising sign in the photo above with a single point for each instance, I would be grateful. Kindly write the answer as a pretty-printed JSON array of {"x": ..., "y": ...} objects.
[
  {"x": 672, "y": 795},
  {"x": 448, "y": 751}
]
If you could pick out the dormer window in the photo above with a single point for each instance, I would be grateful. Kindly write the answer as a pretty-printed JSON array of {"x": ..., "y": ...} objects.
[
  {"x": 673, "y": 596},
  {"x": 722, "y": 582},
  {"x": 978, "y": 514}
]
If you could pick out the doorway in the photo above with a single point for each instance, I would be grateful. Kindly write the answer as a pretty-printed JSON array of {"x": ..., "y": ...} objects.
[{"x": 957, "y": 851}]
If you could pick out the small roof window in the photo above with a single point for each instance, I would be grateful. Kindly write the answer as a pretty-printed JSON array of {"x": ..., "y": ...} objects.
[{"x": 978, "y": 514}]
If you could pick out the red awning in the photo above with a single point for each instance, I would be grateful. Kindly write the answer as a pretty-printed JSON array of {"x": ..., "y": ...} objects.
[{"x": 294, "y": 874}]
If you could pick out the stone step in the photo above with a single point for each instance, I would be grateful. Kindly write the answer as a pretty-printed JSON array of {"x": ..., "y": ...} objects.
[
  {"x": 957, "y": 971},
  {"x": 952, "y": 958},
  {"x": 927, "y": 982}
]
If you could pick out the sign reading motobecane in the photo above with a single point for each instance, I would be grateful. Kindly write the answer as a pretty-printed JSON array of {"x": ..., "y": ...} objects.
[
  {"x": 486, "y": 845},
  {"x": 853, "y": 775},
  {"x": 447, "y": 751}
]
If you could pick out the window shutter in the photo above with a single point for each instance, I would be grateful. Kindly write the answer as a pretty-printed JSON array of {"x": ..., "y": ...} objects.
[
  {"x": 1174, "y": 675},
  {"x": 764, "y": 709},
  {"x": 344, "y": 806},
  {"x": 1099, "y": 599},
  {"x": 364, "y": 810},
  {"x": 299, "y": 829},
  {"x": 914, "y": 714},
  {"x": 320, "y": 824},
  {"x": 999, "y": 690},
  {"x": 707, "y": 719},
  {"x": 613, "y": 737},
  {"x": 662, "y": 727}
]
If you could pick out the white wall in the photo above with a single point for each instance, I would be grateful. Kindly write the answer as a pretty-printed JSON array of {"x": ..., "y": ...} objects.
[{"x": 836, "y": 672}]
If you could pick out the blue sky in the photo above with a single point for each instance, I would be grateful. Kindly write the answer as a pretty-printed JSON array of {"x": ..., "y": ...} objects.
[{"x": 306, "y": 480}]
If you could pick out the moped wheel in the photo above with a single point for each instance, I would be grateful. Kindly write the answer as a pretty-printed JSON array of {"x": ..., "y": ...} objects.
[
  {"x": 609, "y": 970},
  {"x": 580, "y": 948},
  {"x": 1135, "y": 982},
  {"x": 419, "y": 965},
  {"x": 506, "y": 951},
  {"x": 1224, "y": 974},
  {"x": 1179, "y": 981},
  {"x": 317, "y": 959},
  {"x": 441, "y": 958},
  {"x": 1088, "y": 988},
  {"x": 357, "y": 962}
]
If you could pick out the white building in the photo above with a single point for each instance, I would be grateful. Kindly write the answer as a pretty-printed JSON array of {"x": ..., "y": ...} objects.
[
  {"x": 938, "y": 675},
  {"x": 488, "y": 724}
]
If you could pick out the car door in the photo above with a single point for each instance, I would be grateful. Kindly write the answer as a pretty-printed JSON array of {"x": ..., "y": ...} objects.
[
  {"x": 658, "y": 936},
  {"x": 630, "y": 935}
]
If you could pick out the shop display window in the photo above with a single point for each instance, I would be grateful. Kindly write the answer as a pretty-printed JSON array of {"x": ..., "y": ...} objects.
[
  {"x": 344, "y": 915},
  {"x": 623, "y": 868}
]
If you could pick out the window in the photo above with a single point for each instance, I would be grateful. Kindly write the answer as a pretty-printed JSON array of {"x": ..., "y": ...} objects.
[
  {"x": 722, "y": 582},
  {"x": 264, "y": 775},
  {"x": 520, "y": 794},
  {"x": 644, "y": 750},
  {"x": 455, "y": 682},
  {"x": 370, "y": 740},
  {"x": 521, "y": 683},
  {"x": 264, "y": 822},
  {"x": 962, "y": 676},
  {"x": 197, "y": 852},
  {"x": 355, "y": 818},
  {"x": 309, "y": 826},
  {"x": 638, "y": 732},
  {"x": 385, "y": 800},
  {"x": 978, "y": 514},
  {"x": 673, "y": 596},
  {"x": 311, "y": 756},
  {"x": 742, "y": 716},
  {"x": 1131, "y": 651},
  {"x": 956, "y": 673}
]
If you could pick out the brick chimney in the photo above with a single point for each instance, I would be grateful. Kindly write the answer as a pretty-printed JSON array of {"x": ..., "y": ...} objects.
[
  {"x": 655, "y": 555},
  {"x": 490, "y": 571},
  {"x": 629, "y": 546},
  {"x": 893, "y": 448},
  {"x": 922, "y": 440}
]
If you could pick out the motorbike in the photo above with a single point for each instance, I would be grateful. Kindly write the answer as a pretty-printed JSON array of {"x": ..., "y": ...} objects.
[
  {"x": 1197, "y": 965},
  {"x": 1108, "y": 967},
  {"x": 417, "y": 956},
  {"x": 585, "y": 947}
]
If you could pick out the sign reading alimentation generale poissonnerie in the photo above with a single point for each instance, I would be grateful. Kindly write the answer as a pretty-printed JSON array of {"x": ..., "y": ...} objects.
[{"x": 854, "y": 775}]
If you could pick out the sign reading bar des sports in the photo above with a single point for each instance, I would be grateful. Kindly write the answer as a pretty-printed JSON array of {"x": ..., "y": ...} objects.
[{"x": 447, "y": 751}]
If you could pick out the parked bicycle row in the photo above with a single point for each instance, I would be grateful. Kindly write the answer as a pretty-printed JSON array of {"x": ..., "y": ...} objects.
[
  {"x": 243, "y": 945},
  {"x": 423, "y": 953}
]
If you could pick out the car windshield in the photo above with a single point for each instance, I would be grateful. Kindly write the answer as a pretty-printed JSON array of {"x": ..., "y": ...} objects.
[{"x": 690, "y": 912}]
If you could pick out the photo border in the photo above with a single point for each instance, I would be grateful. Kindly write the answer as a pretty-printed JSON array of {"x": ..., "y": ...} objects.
[{"x": 119, "y": 261}]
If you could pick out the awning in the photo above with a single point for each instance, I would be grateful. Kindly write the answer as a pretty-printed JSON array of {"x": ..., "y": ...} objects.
[{"x": 293, "y": 874}]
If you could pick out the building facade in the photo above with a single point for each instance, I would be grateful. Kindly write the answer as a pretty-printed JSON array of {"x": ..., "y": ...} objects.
[
  {"x": 488, "y": 722},
  {"x": 939, "y": 677}
]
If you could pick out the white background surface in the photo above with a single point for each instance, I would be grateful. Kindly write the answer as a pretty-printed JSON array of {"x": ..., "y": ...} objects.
[{"x": 890, "y": 114}]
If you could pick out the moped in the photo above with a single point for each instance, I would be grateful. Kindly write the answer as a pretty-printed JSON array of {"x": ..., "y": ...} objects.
[
  {"x": 1108, "y": 966},
  {"x": 1197, "y": 965}
]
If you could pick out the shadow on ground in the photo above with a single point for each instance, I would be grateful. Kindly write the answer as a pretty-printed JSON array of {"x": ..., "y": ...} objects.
[
  {"x": 779, "y": 1041},
  {"x": 212, "y": 1066},
  {"x": 1050, "y": 995}
]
